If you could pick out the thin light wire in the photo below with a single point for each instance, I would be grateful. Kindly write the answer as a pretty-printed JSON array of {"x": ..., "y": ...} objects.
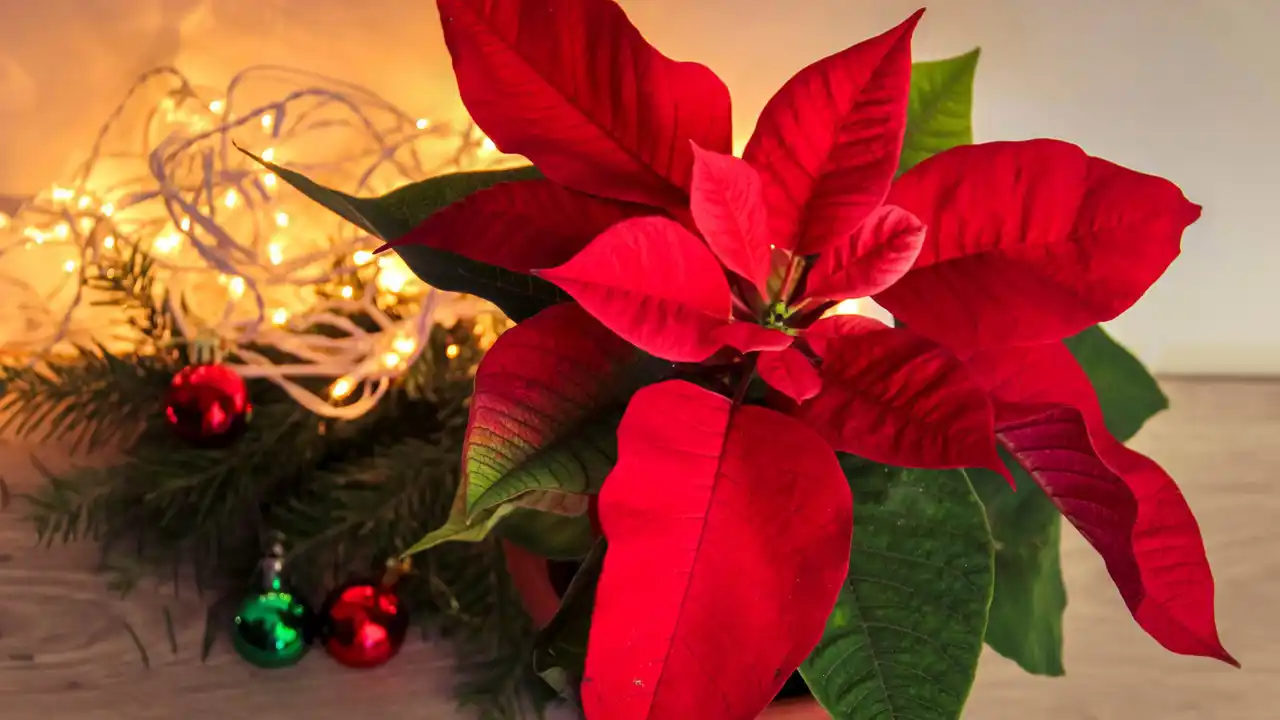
[{"x": 164, "y": 177}]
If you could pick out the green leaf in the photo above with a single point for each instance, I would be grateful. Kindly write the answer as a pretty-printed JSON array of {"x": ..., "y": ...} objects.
[
  {"x": 552, "y": 535},
  {"x": 940, "y": 109},
  {"x": 548, "y": 399},
  {"x": 404, "y": 208},
  {"x": 548, "y": 534},
  {"x": 1030, "y": 598},
  {"x": 1129, "y": 395},
  {"x": 392, "y": 215},
  {"x": 904, "y": 638},
  {"x": 575, "y": 463},
  {"x": 457, "y": 528},
  {"x": 560, "y": 650}
]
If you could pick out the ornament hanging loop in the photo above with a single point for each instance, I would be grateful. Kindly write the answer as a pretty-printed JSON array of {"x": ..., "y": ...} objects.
[
  {"x": 205, "y": 348},
  {"x": 273, "y": 564}
]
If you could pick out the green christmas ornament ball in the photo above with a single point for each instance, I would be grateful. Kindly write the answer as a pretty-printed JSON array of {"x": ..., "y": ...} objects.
[{"x": 273, "y": 628}]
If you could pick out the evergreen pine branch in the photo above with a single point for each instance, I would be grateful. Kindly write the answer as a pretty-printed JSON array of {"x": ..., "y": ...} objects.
[
  {"x": 372, "y": 509},
  {"x": 346, "y": 494},
  {"x": 130, "y": 283},
  {"x": 94, "y": 399}
]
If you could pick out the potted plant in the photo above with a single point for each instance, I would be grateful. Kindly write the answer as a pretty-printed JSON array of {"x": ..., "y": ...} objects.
[{"x": 682, "y": 414}]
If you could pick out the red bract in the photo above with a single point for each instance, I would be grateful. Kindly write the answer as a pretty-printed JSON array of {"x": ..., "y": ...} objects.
[
  {"x": 1028, "y": 243},
  {"x": 728, "y": 525},
  {"x": 1031, "y": 242},
  {"x": 574, "y": 87},
  {"x": 1124, "y": 504},
  {"x": 731, "y": 530}
]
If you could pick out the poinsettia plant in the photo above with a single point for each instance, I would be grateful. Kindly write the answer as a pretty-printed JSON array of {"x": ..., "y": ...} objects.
[{"x": 680, "y": 409}]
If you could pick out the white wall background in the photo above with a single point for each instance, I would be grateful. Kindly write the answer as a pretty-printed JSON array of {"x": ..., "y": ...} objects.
[{"x": 1189, "y": 89}]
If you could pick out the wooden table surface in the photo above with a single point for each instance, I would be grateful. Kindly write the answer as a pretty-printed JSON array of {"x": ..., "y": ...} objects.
[{"x": 64, "y": 652}]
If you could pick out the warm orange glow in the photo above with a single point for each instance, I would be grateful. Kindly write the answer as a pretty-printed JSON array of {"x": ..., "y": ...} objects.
[
  {"x": 845, "y": 307},
  {"x": 341, "y": 388}
]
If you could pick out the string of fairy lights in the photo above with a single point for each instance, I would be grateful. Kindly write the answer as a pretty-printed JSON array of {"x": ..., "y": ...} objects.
[{"x": 245, "y": 261}]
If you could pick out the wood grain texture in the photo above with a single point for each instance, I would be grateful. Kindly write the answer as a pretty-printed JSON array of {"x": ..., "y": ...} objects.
[{"x": 65, "y": 653}]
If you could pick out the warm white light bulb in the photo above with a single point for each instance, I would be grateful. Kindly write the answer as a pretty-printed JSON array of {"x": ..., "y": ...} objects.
[
  {"x": 282, "y": 219},
  {"x": 391, "y": 359},
  {"x": 62, "y": 230},
  {"x": 267, "y": 120},
  {"x": 280, "y": 316},
  {"x": 231, "y": 199},
  {"x": 108, "y": 242},
  {"x": 393, "y": 274},
  {"x": 341, "y": 388},
  {"x": 235, "y": 287},
  {"x": 167, "y": 242},
  {"x": 63, "y": 194},
  {"x": 269, "y": 154},
  {"x": 362, "y": 257},
  {"x": 348, "y": 292},
  {"x": 275, "y": 253},
  {"x": 185, "y": 224},
  {"x": 422, "y": 124},
  {"x": 108, "y": 209},
  {"x": 217, "y": 106},
  {"x": 69, "y": 266},
  {"x": 452, "y": 351},
  {"x": 404, "y": 345},
  {"x": 84, "y": 202},
  {"x": 269, "y": 180}
]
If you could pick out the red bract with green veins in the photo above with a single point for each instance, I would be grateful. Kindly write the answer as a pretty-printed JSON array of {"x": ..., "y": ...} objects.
[{"x": 727, "y": 516}]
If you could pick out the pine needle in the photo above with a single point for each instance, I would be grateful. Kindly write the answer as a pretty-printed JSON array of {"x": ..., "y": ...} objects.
[
  {"x": 168, "y": 628},
  {"x": 137, "y": 642}
]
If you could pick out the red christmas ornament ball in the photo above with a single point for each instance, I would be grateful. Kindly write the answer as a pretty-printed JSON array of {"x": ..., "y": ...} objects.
[
  {"x": 208, "y": 405},
  {"x": 363, "y": 624}
]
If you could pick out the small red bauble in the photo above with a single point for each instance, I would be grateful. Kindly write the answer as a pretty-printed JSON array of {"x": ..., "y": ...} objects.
[
  {"x": 208, "y": 405},
  {"x": 363, "y": 624}
]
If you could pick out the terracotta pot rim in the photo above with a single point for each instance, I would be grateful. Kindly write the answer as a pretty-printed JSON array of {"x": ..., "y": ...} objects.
[{"x": 531, "y": 578}]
